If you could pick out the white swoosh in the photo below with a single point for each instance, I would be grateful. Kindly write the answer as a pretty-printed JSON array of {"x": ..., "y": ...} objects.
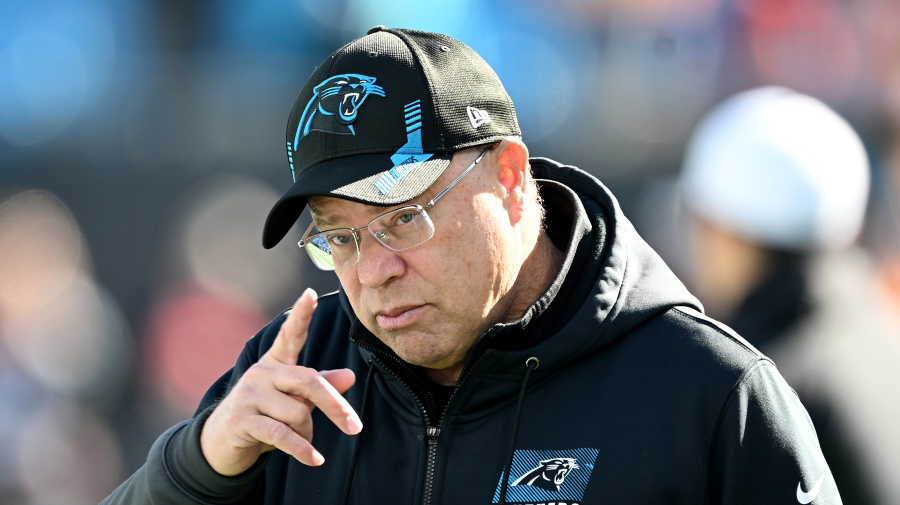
[{"x": 805, "y": 498}]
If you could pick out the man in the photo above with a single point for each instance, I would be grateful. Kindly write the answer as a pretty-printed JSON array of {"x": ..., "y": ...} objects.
[
  {"x": 776, "y": 184},
  {"x": 520, "y": 343}
]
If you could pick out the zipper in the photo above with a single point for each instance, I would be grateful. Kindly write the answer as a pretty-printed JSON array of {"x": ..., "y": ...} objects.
[{"x": 432, "y": 433}]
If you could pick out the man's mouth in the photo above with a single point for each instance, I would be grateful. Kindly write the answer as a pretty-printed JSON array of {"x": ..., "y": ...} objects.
[{"x": 398, "y": 317}]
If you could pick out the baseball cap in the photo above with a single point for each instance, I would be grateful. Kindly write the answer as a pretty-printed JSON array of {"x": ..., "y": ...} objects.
[
  {"x": 779, "y": 168},
  {"x": 379, "y": 121}
]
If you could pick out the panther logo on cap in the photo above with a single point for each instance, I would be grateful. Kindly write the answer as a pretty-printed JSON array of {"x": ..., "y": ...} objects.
[{"x": 335, "y": 104}]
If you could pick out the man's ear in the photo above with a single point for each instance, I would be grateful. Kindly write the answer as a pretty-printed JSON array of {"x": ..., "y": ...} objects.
[{"x": 512, "y": 159}]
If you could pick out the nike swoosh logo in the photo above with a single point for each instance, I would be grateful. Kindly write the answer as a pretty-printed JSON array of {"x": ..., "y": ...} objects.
[{"x": 804, "y": 497}]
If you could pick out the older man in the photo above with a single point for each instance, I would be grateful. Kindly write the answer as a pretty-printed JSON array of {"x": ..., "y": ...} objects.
[{"x": 520, "y": 343}]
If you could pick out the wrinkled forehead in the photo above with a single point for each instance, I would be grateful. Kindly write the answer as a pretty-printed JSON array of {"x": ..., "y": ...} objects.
[{"x": 331, "y": 212}]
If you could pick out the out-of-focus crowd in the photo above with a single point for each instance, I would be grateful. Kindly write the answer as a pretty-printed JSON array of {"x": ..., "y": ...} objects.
[{"x": 141, "y": 147}]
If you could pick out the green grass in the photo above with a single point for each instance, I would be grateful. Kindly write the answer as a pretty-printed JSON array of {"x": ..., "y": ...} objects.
[{"x": 320, "y": 256}]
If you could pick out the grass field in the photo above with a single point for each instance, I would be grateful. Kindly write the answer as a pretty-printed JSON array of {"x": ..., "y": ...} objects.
[{"x": 320, "y": 256}]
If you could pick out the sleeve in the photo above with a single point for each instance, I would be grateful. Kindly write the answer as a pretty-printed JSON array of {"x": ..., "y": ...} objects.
[
  {"x": 766, "y": 449},
  {"x": 176, "y": 472}
]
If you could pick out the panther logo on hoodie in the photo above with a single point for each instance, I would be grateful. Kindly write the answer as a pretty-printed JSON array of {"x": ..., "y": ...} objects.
[{"x": 549, "y": 475}]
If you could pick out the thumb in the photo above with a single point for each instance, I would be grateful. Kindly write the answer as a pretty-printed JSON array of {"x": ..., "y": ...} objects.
[{"x": 292, "y": 335}]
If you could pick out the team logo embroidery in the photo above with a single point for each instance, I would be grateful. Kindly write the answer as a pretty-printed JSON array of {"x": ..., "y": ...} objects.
[
  {"x": 549, "y": 475},
  {"x": 333, "y": 108},
  {"x": 543, "y": 477},
  {"x": 335, "y": 104},
  {"x": 410, "y": 155}
]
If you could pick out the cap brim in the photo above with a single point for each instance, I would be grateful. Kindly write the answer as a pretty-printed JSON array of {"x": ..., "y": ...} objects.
[{"x": 351, "y": 178}]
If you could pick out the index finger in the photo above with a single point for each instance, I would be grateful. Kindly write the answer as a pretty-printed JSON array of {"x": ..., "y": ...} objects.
[
  {"x": 323, "y": 390},
  {"x": 292, "y": 335}
]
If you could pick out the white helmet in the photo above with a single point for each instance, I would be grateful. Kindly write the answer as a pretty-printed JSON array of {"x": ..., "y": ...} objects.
[{"x": 779, "y": 168}]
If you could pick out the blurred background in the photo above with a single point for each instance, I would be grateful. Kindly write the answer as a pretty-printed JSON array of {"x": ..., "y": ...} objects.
[{"x": 142, "y": 145}]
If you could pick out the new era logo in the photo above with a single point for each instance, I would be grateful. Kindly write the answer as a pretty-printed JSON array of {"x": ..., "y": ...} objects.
[{"x": 478, "y": 117}]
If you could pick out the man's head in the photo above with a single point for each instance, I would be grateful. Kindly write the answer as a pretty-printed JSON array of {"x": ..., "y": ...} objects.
[
  {"x": 403, "y": 128},
  {"x": 430, "y": 302},
  {"x": 778, "y": 168},
  {"x": 768, "y": 171},
  {"x": 380, "y": 119}
]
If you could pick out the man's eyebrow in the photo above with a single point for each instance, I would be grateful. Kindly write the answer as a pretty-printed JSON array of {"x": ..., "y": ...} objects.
[
  {"x": 317, "y": 214},
  {"x": 320, "y": 218},
  {"x": 324, "y": 221}
]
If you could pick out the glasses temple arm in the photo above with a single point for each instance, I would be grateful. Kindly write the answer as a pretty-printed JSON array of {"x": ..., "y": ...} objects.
[
  {"x": 306, "y": 234},
  {"x": 466, "y": 171}
]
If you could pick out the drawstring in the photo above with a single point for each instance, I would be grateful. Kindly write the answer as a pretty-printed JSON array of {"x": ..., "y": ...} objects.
[
  {"x": 532, "y": 364},
  {"x": 362, "y": 415}
]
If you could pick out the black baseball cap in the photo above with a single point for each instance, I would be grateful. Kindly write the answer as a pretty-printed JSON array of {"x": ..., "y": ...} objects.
[{"x": 380, "y": 119}]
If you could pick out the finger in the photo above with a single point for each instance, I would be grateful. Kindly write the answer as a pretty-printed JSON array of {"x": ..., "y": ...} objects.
[
  {"x": 294, "y": 411},
  {"x": 316, "y": 388},
  {"x": 279, "y": 435},
  {"x": 292, "y": 335},
  {"x": 341, "y": 379}
]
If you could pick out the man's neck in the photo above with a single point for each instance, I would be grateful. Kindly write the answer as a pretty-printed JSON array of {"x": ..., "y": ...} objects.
[
  {"x": 444, "y": 376},
  {"x": 537, "y": 273}
]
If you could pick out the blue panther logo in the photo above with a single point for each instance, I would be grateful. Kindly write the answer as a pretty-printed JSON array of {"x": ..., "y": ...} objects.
[
  {"x": 549, "y": 475},
  {"x": 335, "y": 104}
]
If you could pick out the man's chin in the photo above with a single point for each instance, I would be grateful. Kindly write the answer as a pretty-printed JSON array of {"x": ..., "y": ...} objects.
[
  {"x": 426, "y": 360},
  {"x": 417, "y": 348}
]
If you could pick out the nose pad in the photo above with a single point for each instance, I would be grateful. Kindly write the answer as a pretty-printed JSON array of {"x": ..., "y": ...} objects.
[{"x": 382, "y": 236}]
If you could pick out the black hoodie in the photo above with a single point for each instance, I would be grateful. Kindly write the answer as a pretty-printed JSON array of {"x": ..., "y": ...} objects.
[{"x": 613, "y": 388}]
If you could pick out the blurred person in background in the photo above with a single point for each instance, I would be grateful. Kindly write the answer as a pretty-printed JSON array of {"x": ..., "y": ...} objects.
[
  {"x": 518, "y": 342},
  {"x": 776, "y": 184},
  {"x": 65, "y": 353}
]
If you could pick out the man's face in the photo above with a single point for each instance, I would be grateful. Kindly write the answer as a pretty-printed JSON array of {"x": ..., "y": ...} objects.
[{"x": 431, "y": 302}]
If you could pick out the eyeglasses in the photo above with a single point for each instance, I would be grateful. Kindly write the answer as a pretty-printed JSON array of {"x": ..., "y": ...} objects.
[{"x": 398, "y": 230}]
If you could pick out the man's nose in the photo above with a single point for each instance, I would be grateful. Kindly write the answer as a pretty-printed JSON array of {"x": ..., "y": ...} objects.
[{"x": 377, "y": 263}]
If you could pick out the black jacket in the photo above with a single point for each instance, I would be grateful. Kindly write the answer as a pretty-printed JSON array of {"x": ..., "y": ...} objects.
[
  {"x": 634, "y": 397},
  {"x": 817, "y": 316}
]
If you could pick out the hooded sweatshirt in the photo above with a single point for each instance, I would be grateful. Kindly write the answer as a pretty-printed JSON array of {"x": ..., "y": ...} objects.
[{"x": 612, "y": 388}]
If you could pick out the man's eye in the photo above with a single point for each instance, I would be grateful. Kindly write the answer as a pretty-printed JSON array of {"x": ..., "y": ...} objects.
[
  {"x": 405, "y": 218},
  {"x": 340, "y": 239}
]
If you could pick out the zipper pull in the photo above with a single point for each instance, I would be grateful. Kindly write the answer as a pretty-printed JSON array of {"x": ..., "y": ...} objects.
[{"x": 432, "y": 435}]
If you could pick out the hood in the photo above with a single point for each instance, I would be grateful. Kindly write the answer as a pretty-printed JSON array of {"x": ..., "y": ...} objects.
[{"x": 611, "y": 282}]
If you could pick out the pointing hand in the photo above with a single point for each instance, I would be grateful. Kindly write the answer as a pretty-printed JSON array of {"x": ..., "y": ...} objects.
[{"x": 272, "y": 403}]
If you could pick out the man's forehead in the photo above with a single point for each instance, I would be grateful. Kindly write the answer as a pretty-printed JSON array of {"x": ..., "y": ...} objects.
[{"x": 331, "y": 211}]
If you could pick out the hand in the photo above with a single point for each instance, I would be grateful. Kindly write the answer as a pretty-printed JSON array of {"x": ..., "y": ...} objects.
[{"x": 271, "y": 405}]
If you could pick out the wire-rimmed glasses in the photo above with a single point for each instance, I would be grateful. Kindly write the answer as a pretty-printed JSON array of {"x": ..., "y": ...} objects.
[{"x": 398, "y": 230}]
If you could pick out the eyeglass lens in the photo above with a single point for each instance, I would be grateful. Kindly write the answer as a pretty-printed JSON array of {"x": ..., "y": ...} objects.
[{"x": 399, "y": 229}]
